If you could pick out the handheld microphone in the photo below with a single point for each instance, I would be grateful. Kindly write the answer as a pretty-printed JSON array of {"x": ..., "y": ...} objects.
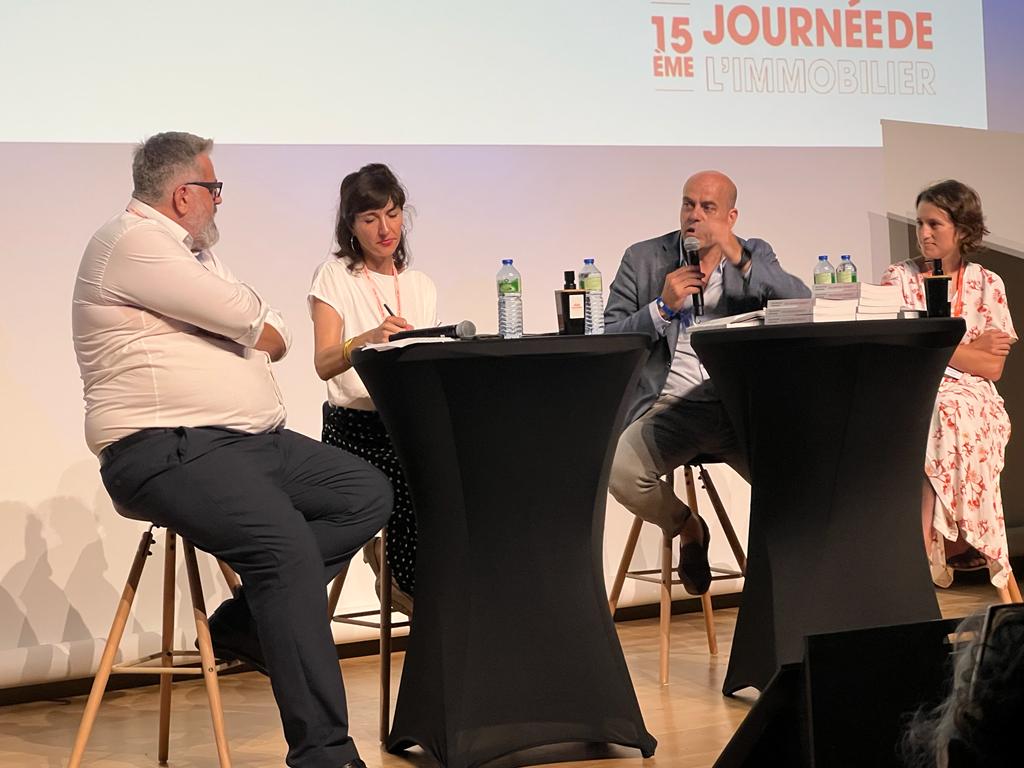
[
  {"x": 461, "y": 330},
  {"x": 691, "y": 246}
]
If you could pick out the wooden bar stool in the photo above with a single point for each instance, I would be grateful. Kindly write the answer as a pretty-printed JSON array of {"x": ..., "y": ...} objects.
[
  {"x": 207, "y": 667},
  {"x": 664, "y": 575},
  {"x": 383, "y": 623}
]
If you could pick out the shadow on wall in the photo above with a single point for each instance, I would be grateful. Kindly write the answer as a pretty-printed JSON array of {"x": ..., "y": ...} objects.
[
  {"x": 69, "y": 563},
  {"x": 56, "y": 600}
]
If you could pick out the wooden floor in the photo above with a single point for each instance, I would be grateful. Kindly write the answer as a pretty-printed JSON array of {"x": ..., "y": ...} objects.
[{"x": 690, "y": 718}]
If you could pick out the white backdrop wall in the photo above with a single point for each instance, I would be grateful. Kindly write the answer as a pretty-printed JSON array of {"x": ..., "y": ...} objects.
[
  {"x": 300, "y": 95},
  {"x": 65, "y": 553},
  {"x": 990, "y": 161}
]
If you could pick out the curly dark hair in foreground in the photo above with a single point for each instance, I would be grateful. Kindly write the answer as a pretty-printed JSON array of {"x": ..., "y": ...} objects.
[{"x": 978, "y": 722}]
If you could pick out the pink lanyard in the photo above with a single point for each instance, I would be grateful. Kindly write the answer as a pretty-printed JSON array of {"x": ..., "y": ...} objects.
[{"x": 376, "y": 294}]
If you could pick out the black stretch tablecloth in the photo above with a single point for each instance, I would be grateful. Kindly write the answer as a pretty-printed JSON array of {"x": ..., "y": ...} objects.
[
  {"x": 507, "y": 447},
  {"x": 834, "y": 417}
]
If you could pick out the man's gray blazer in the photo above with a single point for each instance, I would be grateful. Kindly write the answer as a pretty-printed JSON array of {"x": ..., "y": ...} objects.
[{"x": 640, "y": 279}]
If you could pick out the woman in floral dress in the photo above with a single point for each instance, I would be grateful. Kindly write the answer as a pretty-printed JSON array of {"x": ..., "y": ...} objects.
[{"x": 962, "y": 509}]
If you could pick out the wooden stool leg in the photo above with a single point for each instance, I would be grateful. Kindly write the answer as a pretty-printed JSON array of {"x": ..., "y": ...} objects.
[
  {"x": 709, "y": 622},
  {"x": 230, "y": 578},
  {"x": 166, "y": 645},
  {"x": 665, "y": 610},
  {"x": 705, "y": 599},
  {"x": 627, "y": 558},
  {"x": 724, "y": 521},
  {"x": 385, "y": 638},
  {"x": 1013, "y": 589},
  {"x": 99, "y": 683},
  {"x": 206, "y": 654},
  {"x": 335, "y": 594}
]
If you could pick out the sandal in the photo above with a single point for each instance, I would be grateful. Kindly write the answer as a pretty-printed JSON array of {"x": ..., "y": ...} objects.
[{"x": 971, "y": 560}]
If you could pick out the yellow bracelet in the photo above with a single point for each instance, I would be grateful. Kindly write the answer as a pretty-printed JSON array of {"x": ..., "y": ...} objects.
[{"x": 346, "y": 351}]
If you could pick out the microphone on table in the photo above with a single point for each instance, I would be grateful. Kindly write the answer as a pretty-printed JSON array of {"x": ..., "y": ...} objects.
[
  {"x": 461, "y": 330},
  {"x": 691, "y": 246}
]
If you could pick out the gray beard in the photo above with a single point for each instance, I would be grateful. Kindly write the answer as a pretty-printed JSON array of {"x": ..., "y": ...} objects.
[{"x": 207, "y": 238}]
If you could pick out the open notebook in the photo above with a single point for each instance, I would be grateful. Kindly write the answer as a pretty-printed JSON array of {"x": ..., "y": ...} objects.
[{"x": 742, "y": 320}]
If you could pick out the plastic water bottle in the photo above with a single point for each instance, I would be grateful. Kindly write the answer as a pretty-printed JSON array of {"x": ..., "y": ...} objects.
[
  {"x": 593, "y": 305},
  {"x": 510, "y": 301},
  {"x": 846, "y": 272},
  {"x": 824, "y": 273}
]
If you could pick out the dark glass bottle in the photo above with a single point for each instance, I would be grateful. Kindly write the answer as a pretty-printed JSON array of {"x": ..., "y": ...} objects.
[{"x": 569, "y": 304}]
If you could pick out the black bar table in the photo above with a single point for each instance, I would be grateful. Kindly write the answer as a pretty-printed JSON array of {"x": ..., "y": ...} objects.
[
  {"x": 834, "y": 418},
  {"x": 507, "y": 446}
]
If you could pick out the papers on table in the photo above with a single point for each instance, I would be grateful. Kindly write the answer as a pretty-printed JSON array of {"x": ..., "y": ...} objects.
[
  {"x": 743, "y": 320},
  {"x": 407, "y": 342}
]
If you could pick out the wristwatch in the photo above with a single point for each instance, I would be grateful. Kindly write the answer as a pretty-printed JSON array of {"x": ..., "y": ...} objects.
[{"x": 664, "y": 309}]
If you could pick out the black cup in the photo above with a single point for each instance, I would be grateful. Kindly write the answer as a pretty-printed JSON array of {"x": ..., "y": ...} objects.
[{"x": 936, "y": 295}]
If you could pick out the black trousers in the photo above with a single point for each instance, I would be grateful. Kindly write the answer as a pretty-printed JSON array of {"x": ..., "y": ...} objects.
[{"x": 286, "y": 512}]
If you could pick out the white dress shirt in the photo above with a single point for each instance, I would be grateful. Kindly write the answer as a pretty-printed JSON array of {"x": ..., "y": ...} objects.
[{"x": 164, "y": 336}]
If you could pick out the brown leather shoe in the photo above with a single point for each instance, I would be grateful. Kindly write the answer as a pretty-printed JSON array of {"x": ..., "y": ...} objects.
[{"x": 400, "y": 601}]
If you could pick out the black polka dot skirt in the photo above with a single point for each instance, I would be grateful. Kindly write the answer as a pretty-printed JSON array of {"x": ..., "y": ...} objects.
[{"x": 362, "y": 433}]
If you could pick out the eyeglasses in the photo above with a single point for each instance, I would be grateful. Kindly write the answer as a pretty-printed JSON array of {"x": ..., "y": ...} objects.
[{"x": 214, "y": 187}]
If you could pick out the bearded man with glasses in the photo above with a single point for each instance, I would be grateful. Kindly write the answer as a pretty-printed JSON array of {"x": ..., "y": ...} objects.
[{"x": 183, "y": 411}]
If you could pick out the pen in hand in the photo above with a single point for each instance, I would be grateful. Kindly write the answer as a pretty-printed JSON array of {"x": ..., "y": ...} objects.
[{"x": 391, "y": 312}]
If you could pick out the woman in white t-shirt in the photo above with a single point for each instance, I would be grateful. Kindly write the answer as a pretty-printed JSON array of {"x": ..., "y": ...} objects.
[{"x": 362, "y": 295}]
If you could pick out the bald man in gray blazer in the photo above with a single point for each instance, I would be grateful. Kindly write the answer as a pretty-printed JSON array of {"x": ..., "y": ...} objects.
[{"x": 675, "y": 414}]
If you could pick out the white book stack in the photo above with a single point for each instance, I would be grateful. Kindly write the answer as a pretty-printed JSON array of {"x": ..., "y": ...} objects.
[
  {"x": 780, "y": 311},
  {"x": 834, "y": 310},
  {"x": 837, "y": 291},
  {"x": 871, "y": 302},
  {"x": 879, "y": 302}
]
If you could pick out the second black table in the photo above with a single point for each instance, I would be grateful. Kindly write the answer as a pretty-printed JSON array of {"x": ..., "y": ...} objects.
[{"x": 834, "y": 418}]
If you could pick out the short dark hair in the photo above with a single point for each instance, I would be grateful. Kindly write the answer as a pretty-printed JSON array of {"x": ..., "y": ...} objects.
[
  {"x": 159, "y": 158},
  {"x": 963, "y": 206},
  {"x": 370, "y": 188}
]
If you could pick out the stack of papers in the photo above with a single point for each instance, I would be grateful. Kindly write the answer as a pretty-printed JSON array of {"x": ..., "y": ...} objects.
[
  {"x": 744, "y": 320},
  {"x": 407, "y": 342}
]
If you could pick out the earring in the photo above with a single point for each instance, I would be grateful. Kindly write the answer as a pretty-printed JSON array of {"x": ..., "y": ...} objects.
[{"x": 352, "y": 243}]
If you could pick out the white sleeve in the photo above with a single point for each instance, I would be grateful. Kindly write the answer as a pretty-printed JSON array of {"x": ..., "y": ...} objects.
[
  {"x": 274, "y": 316},
  {"x": 149, "y": 269}
]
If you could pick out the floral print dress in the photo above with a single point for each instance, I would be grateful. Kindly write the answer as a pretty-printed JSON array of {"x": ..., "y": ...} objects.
[{"x": 969, "y": 431}]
